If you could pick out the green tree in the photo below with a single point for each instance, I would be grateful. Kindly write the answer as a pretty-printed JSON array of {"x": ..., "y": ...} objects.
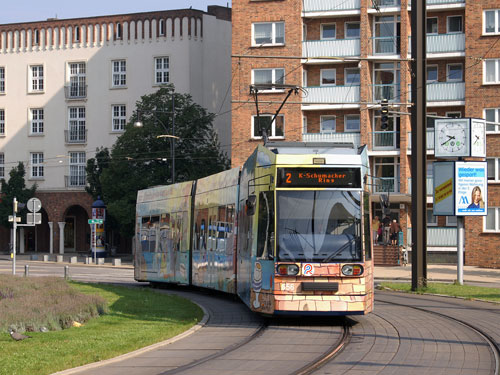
[
  {"x": 94, "y": 169},
  {"x": 15, "y": 187},
  {"x": 141, "y": 159}
]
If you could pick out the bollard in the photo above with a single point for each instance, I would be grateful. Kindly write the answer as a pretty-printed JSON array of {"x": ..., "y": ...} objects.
[
  {"x": 59, "y": 259},
  {"x": 26, "y": 270},
  {"x": 73, "y": 260},
  {"x": 66, "y": 272},
  {"x": 117, "y": 262},
  {"x": 45, "y": 258}
]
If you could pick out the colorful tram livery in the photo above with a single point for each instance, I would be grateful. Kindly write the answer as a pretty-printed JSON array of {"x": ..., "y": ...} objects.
[{"x": 289, "y": 232}]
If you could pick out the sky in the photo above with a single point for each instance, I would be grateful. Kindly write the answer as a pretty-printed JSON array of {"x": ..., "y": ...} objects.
[{"x": 28, "y": 11}]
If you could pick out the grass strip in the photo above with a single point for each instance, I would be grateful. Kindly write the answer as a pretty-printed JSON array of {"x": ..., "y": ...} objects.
[
  {"x": 137, "y": 317},
  {"x": 455, "y": 290}
]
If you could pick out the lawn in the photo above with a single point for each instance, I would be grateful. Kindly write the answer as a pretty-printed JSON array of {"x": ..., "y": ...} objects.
[
  {"x": 464, "y": 291},
  {"x": 136, "y": 317}
]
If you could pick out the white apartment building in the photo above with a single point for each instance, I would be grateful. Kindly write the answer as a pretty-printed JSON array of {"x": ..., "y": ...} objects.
[{"x": 69, "y": 86}]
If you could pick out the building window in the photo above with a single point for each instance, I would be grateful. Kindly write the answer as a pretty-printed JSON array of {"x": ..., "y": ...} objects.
[
  {"x": 76, "y": 125},
  {"x": 432, "y": 25},
  {"x": 77, "y": 80},
  {"x": 386, "y": 81},
  {"x": 431, "y": 219},
  {"x": 352, "y": 30},
  {"x": 269, "y": 33},
  {"x": 161, "y": 30},
  {"x": 387, "y": 34},
  {"x": 77, "y": 164},
  {"x": 491, "y": 69},
  {"x": 492, "y": 116},
  {"x": 36, "y": 121},
  {"x": 36, "y": 37},
  {"x": 36, "y": 78},
  {"x": 432, "y": 73},
  {"x": 491, "y": 21},
  {"x": 352, "y": 124},
  {"x": 118, "y": 31},
  {"x": 119, "y": 117},
  {"x": 454, "y": 114},
  {"x": 327, "y": 124},
  {"x": 162, "y": 70},
  {"x": 2, "y": 121},
  {"x": 454, "y": 73},
  {"x": 2, "y": 80},
  {"x": 454, "y": 24},
  {"x": 275, "y": 129},
  {"x": 328, "y": 31},
  {"x": 268, "y": 77},
  {"x": 492, "y": 220},
  {"x": 493, "y": 169},
  {"x": 387, "y": 173},
  {"x": 328, "y": 77},
  {"x": 451, "y": 221},
  {"x": 352, "y": 76},
  {"x": 77, "y": 33},
  {"x": 119, "y": 73},
  {"x": 36, "y": 165},
  {"x": 2, "y": 165}
]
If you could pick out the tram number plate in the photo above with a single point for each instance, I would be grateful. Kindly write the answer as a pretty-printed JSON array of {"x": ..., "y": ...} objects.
[{"x": 287, "y": 287}]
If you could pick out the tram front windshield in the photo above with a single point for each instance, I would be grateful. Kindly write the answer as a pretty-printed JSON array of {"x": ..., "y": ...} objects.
[{"x": 319, "y": 226}]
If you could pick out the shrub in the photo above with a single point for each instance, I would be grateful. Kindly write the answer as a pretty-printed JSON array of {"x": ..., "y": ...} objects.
[{"x": 28, "y": 304}]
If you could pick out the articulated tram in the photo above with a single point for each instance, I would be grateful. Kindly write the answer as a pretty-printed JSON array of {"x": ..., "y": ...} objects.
[{"x": 289, "y": 232}]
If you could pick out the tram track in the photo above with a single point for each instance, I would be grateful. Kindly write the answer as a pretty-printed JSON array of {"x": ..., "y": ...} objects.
[{"x": 494, "y": 347}]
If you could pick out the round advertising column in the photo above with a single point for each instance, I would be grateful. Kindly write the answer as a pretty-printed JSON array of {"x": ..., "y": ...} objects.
[{"x": 98, "y": 236}]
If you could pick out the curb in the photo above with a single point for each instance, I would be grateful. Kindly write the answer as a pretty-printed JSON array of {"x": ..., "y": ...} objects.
[{"x": 140, "y": 351}]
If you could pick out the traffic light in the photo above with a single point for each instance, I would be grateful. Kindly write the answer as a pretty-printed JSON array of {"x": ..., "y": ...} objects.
[{"x": 384, "y": 111}]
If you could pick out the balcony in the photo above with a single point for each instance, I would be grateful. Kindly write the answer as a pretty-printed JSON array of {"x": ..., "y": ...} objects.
[
  {"x": 429, "y": 140},
  {"x": 385, "y": 140},
  {"x": 76, "y": 136},
  {"x": 335, "y": 47},
  {"x": 429, "y": 186},
  {"x": 75, "y": 91},
  {"x": 443, "y": 43},
  {"x": 385, "y": 184},
  {"x": 75, "y": 181},
  {"x": 334, "y": 6},
  {"x": 385, "y": 3},
  {"x": 438, "y": 237},
  {"x": 443, "y": 4},
  {"x": 390, "y": 92},
  {"x": 443, "y": 92},
  {"x": 332, "y": 95},
  {"x": 354, "y": 138}
]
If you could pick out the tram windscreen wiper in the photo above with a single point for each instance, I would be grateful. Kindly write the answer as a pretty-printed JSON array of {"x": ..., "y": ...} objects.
[
  {"x": 295, "y": 232},
  {"x": 340, "y": 250}
]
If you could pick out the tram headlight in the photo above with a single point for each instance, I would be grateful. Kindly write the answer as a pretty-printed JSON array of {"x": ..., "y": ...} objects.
[
  {"x": 287, "y": 269},
  {"x": 352, "y": 270}
]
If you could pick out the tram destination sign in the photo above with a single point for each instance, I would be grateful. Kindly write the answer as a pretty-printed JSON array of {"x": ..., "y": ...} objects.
[{"x": 320, "y": 177}]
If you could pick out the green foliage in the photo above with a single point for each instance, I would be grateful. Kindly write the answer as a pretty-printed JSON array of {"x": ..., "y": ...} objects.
[
  {"x": 15, "y": 187},
  {"x": 94, "y": 169},
  {"x": 139, "y": 159},
  {"x": 137, "y": 317}
]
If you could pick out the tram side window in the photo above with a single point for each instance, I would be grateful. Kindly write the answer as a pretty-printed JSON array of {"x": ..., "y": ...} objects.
[
  {"x": 366, "y": 226},
  {"x": 145, "y": 225},
  {"x": 153, "y": 232},
  {"x": 165, "y": 232},
  {"x": 201, "y": 237},
  {"x": 265, "y": 235},
  {"x": 230, "y": 214},
  {"x": 184, "y": 241}
]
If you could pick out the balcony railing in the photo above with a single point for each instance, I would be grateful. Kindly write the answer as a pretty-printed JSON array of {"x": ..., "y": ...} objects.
[
  {"x": 331, "y": 5},
  {"x": 441, "y": 2},
  {"x": 443, "y": 91},
  {"x": 385, "y": 184},
  {"x": 75, "y": 180},
  {"x": 386, "y": 45},
  {"x": 354, "y": 138},
  {"x": 75, "y": 136},
  {"x": 385, "y": 140},
  {"x": 429, "y": 139},
  {"x": 336, "y": 47},
  {"x": 390, "y": 92},
  {"x": 429, "y": 185},
  {"x": 75, "y": 91},
  {"x": 438, "y": 237},
  {"x": 332, "y": 95},
  {"x": 385, "y": 3},
  {"x": 443, "y": 43}
]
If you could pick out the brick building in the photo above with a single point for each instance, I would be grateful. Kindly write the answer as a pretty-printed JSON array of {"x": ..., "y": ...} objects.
[
  {"x": 69, "y": 86},
  {"x": 348, "y": 56}
]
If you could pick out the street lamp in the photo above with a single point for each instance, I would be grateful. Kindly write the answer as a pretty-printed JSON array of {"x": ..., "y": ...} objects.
[{"x": 140, "y": 124}]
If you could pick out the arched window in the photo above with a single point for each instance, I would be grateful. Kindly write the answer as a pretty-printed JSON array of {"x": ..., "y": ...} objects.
[{"x": 118, "y": 33}]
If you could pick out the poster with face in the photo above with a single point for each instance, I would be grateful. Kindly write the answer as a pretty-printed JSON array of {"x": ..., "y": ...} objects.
[{"x": 471, "y": 189}]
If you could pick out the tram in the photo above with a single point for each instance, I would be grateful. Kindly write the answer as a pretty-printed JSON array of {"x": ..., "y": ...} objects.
[{"x": 289, "y": 232}]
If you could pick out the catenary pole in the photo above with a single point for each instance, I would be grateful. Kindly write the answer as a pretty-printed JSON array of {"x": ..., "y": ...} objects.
[{"x": 418, "y": 145}]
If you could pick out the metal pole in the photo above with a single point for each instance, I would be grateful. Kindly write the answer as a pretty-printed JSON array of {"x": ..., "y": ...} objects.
[
  {"x": 14, "y": 236},
  {"x": 418, "y": 145},
  {"x": 173, "y": 139},
  {"x": 94, "y": 240},
  {"x": 66, "y": 272},
  {"x": 26, "y": 270},
  {"x": 460, "y": 249}
]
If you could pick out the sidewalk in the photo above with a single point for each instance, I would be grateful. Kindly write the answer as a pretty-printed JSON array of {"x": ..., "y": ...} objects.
[{"x": 444, "y": 273}]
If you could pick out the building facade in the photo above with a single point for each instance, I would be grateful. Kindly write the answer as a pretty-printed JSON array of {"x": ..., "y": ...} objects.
[
  {"x": 346, "y": 56},
  {"x": 68, "y": 87}
]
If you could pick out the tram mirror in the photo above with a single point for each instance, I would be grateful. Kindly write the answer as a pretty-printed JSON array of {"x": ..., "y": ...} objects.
[{"x": 250, "y": 205}]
